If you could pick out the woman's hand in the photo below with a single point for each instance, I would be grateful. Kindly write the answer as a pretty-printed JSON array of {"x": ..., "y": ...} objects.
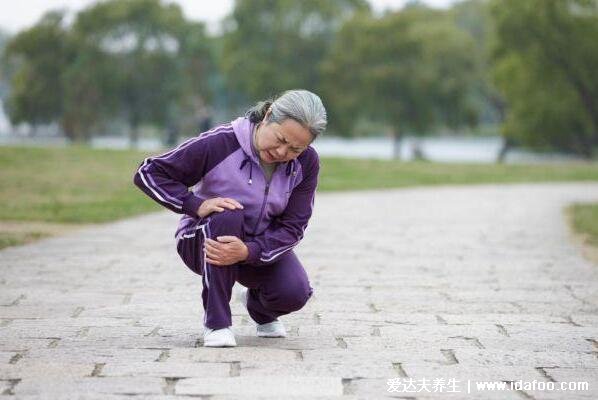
[
  {"x": 217, "y": 204},
  {"x": 228, "y": 250}
]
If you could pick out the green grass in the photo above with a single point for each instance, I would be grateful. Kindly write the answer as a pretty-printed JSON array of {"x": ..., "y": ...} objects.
[
  {"x": 17, "y": 238},
  {"x": 82, "y": 185},
  {"x": 69, "y": 185},
  {"x": 348, "y": 174},
  {"x": 584, "y": 218}
]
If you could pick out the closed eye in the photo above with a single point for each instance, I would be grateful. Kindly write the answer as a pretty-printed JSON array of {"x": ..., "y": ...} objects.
[{"x": 282, "y": 140}]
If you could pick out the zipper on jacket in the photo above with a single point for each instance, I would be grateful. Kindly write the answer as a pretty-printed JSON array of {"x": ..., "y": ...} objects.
[{"x": 259, "y": 219}]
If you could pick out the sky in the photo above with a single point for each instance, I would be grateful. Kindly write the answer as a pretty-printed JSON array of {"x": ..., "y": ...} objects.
[{"x": 18, "y": 14}]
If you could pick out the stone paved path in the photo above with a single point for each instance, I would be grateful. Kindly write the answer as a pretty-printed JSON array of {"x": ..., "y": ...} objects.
[{"x": 463, "y": 283}]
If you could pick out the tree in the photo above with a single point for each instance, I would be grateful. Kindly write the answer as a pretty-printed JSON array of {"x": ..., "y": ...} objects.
[
  {"x": 143, "y": 54},
  {"x": 274, "y": 45},
  {"x": 547, "y": 67},
  {"x": 133, "y": 60},
  {"x": 410, "y": 69},
  {"x": 4, "y": 68},
  {"x": 200, "y": 75},
  {"x": 473, "y": 16},
  {"x": 39, "y": 56}
]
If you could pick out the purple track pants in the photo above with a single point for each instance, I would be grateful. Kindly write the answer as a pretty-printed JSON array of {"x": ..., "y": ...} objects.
[{"x": 275, "y": 289}]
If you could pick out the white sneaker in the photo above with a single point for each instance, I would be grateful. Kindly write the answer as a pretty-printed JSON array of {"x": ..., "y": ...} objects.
[
  {"x": 272, "y": 329},
  {"x": 244, "y": 295},
  {"x": 218, "y": 337}
]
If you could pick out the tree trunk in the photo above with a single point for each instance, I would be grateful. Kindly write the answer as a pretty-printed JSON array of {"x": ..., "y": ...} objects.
[
  {"x": 417, "y": 150},
  {"x": 507, "y": 144},
  {"x": 171, "y": 135},
  {"x": 396, "y": 145},
  {"x": 33, "y": 130},
  {"x": 134, "y": 135},
  {"x": 584, "y": 146}
]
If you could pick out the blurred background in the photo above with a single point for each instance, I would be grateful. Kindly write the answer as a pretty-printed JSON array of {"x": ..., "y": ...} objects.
[
  {"x": 501, "y": 90},
  {"x": 442, "y": 80}
]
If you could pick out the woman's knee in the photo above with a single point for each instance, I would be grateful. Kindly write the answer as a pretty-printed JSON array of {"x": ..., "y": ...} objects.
[
  {"x": 227, "y": 222},
  {"x": 290, "y": 299},
  {"x": 190, "y": 254}
]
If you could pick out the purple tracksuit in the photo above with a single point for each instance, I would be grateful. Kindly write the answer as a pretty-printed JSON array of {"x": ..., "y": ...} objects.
[{"x": 222, "y": 163}]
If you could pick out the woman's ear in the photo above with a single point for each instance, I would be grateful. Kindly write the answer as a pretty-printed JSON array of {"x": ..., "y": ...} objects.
[{"x": 268, "y": 113}]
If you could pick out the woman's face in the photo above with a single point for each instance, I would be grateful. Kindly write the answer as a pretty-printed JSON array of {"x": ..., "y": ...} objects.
[{"x": 281, "y": 142}]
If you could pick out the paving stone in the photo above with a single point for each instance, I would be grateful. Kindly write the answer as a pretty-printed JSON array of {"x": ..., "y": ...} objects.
[
  {"x": 40, "y": 330},
  {"x": 27, "y": 368},
  {"x": 504, "y": 319},
  {"x": 585, "y": 319},
  {"x": 23, "y": 344},
  {"x": 78, "y": 322},
  {"x": 472, "y": 282},
  {"x": 553, "y": 330},
  {"x": 273, "y": 384},
  {"x": 530, "y": 343},
  {"x": 33, "y": 311},
  {"x": 353, "y": 370},
  {"x": 92, "y": 385},
  {"x": 531, "y": 358},
  {"x": 104, "y": 396},
  {"x": 92, "y": 354},
  {"x": 6, "y": 356},
  {"x": 561, "y": 374},
  {"x": 576, "y": 382},
  {"x": 469, "y": 379},
  {"x": 457, "y": 390},
  {"x": 133, "y": 342},
  {"x": 294, "y": 397},
  {"x": 258, "y": 349},
  {"x": 5, "y": 386},
  {"x": 168, "y": 369},
  {"x": 406, "y": 354}
]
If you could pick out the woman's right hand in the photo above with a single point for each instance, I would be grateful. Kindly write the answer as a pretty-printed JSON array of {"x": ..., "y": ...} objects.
[{"x": 217, "y": 204}]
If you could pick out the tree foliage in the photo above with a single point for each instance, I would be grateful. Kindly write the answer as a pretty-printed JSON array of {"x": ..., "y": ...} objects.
[
  {"x": 39, "y": 57},
  {"x": 473, "y": 17},
  {"x": 546, "y": 64},
  {"x": 135, "y": 60},
  {"x": 274, "y": 45},
  {"x": 415, "y": 70},
  {"x": 410, "y": 69},
  {"x": 137, "y": 48}
]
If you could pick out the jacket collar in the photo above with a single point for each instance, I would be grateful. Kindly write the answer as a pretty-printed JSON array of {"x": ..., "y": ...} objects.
[{"x": 243, "y": 129}]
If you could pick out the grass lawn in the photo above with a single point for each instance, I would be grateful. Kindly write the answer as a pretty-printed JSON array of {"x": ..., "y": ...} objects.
[
  {"x": 351, "y": 174},
  {"x": 79, "y": 185},
  {"x": 16, "y": 238},
  {"x": 584, "y": 218},
  {"x": 69, "y": 185}
]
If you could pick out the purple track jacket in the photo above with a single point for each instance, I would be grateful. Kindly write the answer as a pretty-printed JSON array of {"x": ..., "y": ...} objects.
[{"x": 222, "y": 163}]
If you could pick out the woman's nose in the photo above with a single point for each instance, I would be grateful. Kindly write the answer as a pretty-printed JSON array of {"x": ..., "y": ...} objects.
[{"x": 281, "y": 152}]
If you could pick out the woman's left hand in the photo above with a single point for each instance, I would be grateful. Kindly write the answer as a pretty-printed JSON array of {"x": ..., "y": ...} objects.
[{"x": 228, "y": 250}]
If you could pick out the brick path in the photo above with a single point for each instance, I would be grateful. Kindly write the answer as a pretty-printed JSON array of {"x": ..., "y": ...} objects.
[{"x": 469, "y": 283}]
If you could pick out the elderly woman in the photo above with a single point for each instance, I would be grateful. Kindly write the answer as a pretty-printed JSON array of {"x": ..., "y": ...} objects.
[{"x": 254, "y": 182}]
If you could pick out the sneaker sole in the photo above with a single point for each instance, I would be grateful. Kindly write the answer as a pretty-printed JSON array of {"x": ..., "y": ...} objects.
[
  {"x": 219, "y": 345},
  {"x": 270, "y": 335}
]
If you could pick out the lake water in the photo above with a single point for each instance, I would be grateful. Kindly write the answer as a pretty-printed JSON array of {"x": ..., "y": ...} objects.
[{"x": 441, "y": 149}]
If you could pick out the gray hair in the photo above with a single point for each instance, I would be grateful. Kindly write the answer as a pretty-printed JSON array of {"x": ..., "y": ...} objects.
[{"x": 302, "y": 106}]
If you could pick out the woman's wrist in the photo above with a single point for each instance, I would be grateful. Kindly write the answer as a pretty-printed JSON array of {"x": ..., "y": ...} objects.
[
  {"x": 245, "y": 252},
  {"x": 254, "y": 250}
]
